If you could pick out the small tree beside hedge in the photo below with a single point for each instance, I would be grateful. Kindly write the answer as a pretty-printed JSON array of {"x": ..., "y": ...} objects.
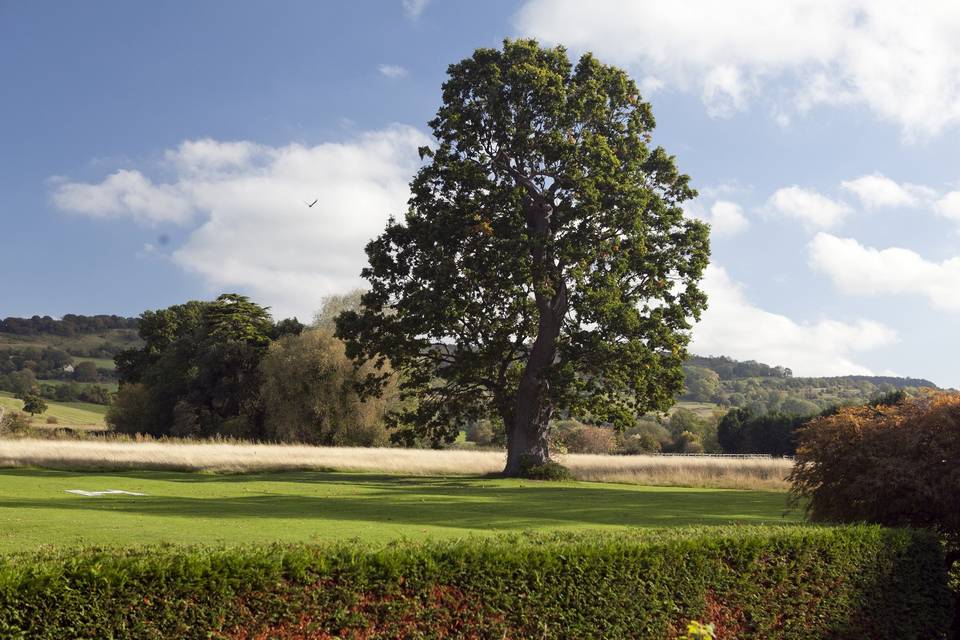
[{"x": 891, "y": 463}]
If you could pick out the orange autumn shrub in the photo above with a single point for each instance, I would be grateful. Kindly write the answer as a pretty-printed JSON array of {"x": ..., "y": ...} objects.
[{"x": 896, "y": 464}]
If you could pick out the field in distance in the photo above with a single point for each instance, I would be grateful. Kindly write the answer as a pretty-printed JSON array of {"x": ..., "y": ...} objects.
[
  {"x": 68, "y": 414},
  {"x": 197, "y": 508}
]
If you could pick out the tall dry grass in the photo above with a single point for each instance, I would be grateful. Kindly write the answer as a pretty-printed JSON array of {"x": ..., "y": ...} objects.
[
  {"x": 685, "y": 471},
  {"x": 732, "y": 473}
]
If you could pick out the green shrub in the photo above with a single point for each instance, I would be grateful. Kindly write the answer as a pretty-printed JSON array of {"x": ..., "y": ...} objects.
[
  {"x": 640, "y": 443},
  {"x": 749, "y": 582},
  {"x": 546, "y": 471},
  {"x": 654, "y": 436}
]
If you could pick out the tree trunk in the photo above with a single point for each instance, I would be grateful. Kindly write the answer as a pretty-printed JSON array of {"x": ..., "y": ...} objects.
[
  {"x": 529, "y": 429},
  {"x": 527, "y": 435}
]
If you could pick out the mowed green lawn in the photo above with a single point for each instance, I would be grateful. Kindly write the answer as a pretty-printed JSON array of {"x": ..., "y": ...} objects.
[{"x": 196, "y": 508}]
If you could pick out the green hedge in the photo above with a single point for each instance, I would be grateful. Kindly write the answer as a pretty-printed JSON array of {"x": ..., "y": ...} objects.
[{"x": 751, "y": 582}]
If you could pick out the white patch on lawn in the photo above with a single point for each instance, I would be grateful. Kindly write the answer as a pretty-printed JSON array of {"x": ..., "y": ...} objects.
[{"x": 108, "y": 492}]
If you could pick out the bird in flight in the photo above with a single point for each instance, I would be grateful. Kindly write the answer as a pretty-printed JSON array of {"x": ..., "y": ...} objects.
[{"x": 310, "y": 204}]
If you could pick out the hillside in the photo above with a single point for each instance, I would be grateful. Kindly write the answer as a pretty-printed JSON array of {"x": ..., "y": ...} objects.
[
  {"x": 767, "y": 389},
  {"x": 95, "y": 338},
  {"x": 69, "y": 362},
  {"x": 92, "y": 338},
  {"x": 75, "y": 415}
]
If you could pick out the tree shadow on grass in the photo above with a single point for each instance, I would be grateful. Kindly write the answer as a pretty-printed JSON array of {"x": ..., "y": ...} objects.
[
  {"x": 298, "y": 477},
  {"x": 462, "y": 503}
]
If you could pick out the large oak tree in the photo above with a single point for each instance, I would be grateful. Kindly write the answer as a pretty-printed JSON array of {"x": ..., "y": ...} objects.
[{"x": 544, "y": 264}]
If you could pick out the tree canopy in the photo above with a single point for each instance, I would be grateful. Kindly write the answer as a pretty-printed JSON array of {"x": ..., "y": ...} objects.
[
  {"x": 34, "y": 404},
  {"x": 544, "y": 263},
  {"x": 309, "y": 394},
  {"x": 198, "y": 372}
]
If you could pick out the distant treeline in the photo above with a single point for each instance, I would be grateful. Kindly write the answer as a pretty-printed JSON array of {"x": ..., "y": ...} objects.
[
  {"x": 69, "y": 325},
  {"x": 899, "y": 383},
  {"x": 729, "y": 369}
]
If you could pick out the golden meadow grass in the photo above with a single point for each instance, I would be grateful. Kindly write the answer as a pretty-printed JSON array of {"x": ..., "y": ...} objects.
[{"x": 218, "y": 457}]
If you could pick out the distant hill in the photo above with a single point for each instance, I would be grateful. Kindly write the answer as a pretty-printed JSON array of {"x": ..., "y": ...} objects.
[
  {"x": 899, "y": 383},
  {"x": 85, "y": 337},
  {"x": 730, "y": 369},
  {"x": 67, "y": 360},
  {"x": 767, "y": 389}
]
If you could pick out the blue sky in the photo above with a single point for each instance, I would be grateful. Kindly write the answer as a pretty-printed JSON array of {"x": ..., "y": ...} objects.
[{"x": 159, "y": 152}]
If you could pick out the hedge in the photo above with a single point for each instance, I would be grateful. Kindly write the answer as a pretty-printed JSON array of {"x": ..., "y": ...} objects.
[{"x": 751, "y": 582}]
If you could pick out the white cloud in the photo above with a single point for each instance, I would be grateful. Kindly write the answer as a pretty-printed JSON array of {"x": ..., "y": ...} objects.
[
  {"x": 877, "y": 190},
  {"x": 125, "y": 193},
  {"x": 392, "y": 71},
  {"x": 725, "y": 218},
  {"x": 815, "y": 210},
  {"x": 414, "y": 7},
  {"x": 724, "y": 92},
  {"x": 256, "y": 234},
  {"x": 949, "y": 206},
  {"x": 734, "y": 326},
  {"x": 856, "y": 269},
  {"x": 900, "y": 59},
  {"x": 650, "y": 85},
  {"x": 207, "y": 156}
]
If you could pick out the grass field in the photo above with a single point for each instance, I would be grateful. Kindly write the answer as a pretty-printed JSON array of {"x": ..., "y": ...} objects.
[
  {"x": 702, "y": 409},
  {"x": 109, "y": 386},
  {"x": 196, "y": 508},
  {"x": 102, "y": 363},
  {"x": 67, "y": 413}
]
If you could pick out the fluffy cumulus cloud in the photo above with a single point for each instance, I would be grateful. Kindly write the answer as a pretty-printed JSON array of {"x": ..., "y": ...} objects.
[
  {"x": 877, "y": 190},
  {"x": 949, "y": 206},
  {"x": 725, "y": 218},
  {"x": 125, "y": 194},
  {"x": 253, "y": 230},
  {"x": 734, "y": 326},
  {"x": 206, "y": 156},
  {"x": 859, "y": 270},
  {"x": 814, "y": 210},
  {"x": 900, "y": 59}
]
